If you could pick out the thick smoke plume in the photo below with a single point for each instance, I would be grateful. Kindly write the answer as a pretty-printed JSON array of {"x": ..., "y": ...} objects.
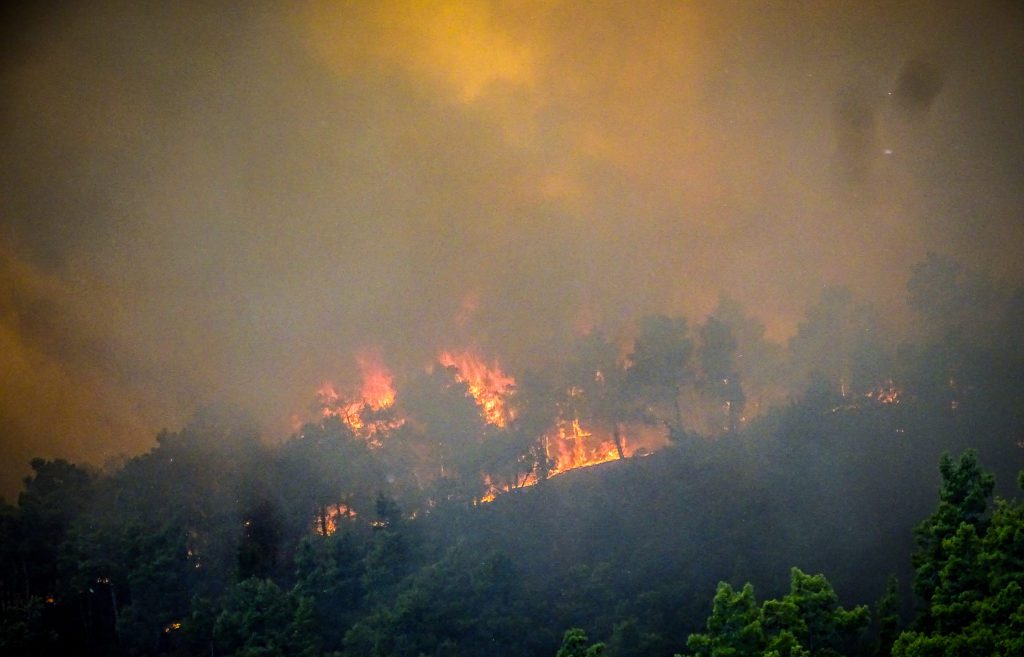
[{"x": 206, "y": 203}]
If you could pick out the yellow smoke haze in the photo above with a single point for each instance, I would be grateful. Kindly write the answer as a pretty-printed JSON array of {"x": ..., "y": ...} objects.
[{"x": 225, "y": 203}]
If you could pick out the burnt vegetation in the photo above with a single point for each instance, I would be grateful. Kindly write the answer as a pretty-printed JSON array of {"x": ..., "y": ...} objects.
[{"x": 444, "y": 522}]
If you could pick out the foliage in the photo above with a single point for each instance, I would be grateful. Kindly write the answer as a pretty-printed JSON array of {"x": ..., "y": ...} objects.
[
  {"x": 575, "y": 644},
  {"x": 970, "y": 571},
  {"x": 953, "y": 529},
  {"x": 468, "y": 605},
  {"x": 887, "y": 618},
  {"x": 338, "y": 542},
  {"x": 806, "y": 621},
  {"x": 255, "y": 620},
  {"x": 661, "y": 366}
]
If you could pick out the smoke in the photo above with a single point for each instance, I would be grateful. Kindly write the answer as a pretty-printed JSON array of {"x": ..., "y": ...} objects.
[{"x": 206, "y": 203}]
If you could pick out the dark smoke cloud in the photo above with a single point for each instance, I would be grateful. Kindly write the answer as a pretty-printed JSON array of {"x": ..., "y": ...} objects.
[{"x": 207, "y": 203}]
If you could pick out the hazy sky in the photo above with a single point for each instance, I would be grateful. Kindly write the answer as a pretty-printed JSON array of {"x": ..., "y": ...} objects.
[{"x": 224, "y": 204}]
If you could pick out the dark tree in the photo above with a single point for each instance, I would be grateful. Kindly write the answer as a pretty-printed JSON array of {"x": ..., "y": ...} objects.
[
  {"x": 445, "y": 429},
  {"x": 55, "y": 495},
  {"x": 963, "y": 501},
  {"x": 598, "y": 388},
  {"x": 576, "y": 644},
  {"x": 975, "y": 582},
  {"x": 260, "y": 542},
  {"x": 829, "y": 340},
  {"x": 661, "y": 367},
  {"x": 721, "y": 378},
  {"x": 758, "y": 361}
]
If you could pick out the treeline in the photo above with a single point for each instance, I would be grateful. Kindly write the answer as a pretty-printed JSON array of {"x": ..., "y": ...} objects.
[
  {"x": 968, "y": 578},
  {"x": 216, "y": 542}
]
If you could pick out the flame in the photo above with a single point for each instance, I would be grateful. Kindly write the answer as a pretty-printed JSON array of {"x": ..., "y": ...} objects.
[
  {"x": 571, "y": 442},
  {"x": 488, "y": 384},
  {"x": 574, "y": 447},
  {"x": 887, "y": 393},
  {"x": 332, "y": 404},
  {"x": 376, "y": 393},
  {"x": 378, "y": 390},
  {"x": 493, "y": 490},
  {"x": 329, "y": 518}
]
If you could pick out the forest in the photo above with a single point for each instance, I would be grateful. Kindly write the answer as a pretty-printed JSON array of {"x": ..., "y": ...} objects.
[{"x": 689, "y": 489}]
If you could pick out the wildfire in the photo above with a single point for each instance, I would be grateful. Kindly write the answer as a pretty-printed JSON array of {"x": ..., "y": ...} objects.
[
  {"x": 376, "y": 394},
  {"x": 488, "y": 384},
  {"x": 378, "y": 390},
  {"x": 332, "y": 405},
  {"x": 572, "y": 441},
  {"x": 494, "y": 490},
  {"x": 330, "y": 518},
  {"x": 887, "y": 393},
  {"x": 569, "y": 445}
]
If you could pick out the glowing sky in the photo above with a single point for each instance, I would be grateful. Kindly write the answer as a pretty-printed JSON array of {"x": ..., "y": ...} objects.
[{"x": 223, "y": 204}]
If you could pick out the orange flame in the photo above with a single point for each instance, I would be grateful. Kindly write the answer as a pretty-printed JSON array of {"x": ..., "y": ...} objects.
[
  {"x": 378, "y": 389},
  {"x": 887, "y": 393},
  {"x": 574, "y": 448},
  {"x": 376, "y": 393},
  {"x": 570, "y": 444},
  {"x": 328, "y": 520},
  {"x": 488, "y": 384}
]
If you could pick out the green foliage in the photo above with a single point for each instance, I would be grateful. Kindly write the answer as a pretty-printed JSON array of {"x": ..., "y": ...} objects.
[
  {"x": 153, "y": 586},
  {"x": 536, "y": 409},
  {"x": 448, "y": 429},
  {"x": 576, "y": 644},
  {"x": 329, "y": 575},
  {"x": 258, "y": 547},
  {"x": 258, "y": 619},
  {"x": 628, "y": 640},
  {"x": 806, "y": 621},
  {"x": 469, "y": 605},
  {"x": 391, "y": 553},
  {"x": 735, "y": 626},
  {"x": 940, "y": 559},
  {"x": 323, "y": 466},
  {"x": 973, "y": 581},
  {"x": 888, "y": 619}
]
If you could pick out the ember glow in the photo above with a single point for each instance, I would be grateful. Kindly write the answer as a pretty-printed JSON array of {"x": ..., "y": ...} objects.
[{"x": 887, "y": 393}]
